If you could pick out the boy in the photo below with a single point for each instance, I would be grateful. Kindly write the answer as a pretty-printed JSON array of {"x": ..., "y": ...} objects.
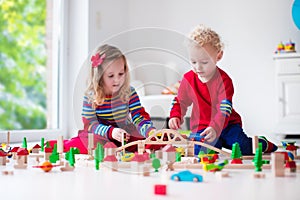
[{"x": 210, "y": 90}]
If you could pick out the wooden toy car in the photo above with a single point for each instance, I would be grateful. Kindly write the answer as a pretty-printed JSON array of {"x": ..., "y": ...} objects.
[{"x": 186, "y": 176}]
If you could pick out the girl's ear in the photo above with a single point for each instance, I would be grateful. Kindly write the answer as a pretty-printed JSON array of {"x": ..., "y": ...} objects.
[{"x": 219, "y": 55}]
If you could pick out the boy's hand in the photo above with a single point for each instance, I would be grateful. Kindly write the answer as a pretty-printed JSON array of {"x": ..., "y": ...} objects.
[
  {"x": 210, "y": 134},
  {"x": 118, "y": 133},
  {"x": 174, "y": 123}
]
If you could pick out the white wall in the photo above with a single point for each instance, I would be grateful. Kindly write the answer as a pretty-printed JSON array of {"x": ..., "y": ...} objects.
[
  {"x": 90, "y": 23},
  {"x": 77, "y": 53},
  {"x": 251, "y": 31}
]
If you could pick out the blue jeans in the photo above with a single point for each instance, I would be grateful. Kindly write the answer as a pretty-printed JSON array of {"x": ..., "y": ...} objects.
[{"x": 231, "y": 134}]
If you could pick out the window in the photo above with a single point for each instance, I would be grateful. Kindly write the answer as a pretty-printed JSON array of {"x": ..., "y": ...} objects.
[{"x": 31, "y": 40}]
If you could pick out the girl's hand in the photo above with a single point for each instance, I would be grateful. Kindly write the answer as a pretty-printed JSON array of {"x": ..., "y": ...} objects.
[
  {"x": 174, "y": 123},
  {"x": 152, "y": 132},
  {"x": 118, "y": 133},
  {"x": 210, "y": 134}
]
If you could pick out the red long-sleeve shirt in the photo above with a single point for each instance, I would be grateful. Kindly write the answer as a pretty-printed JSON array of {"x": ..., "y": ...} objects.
[{"x": 212, "y": 101}]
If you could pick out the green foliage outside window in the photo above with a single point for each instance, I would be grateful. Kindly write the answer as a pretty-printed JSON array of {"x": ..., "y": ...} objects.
[{"x": 22, "y": 64}]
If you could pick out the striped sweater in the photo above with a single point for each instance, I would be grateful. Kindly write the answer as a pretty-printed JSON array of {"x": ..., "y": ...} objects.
[{"x": 114, "y": 113}]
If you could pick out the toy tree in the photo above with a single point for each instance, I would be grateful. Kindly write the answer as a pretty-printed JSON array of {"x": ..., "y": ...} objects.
[
  {"x": 42, "y": 144},
  {"x": 24, "y": 145},
  {"x": 257, "y": 161},
  {"x": 70, "y": 156},
  {"x": 99, "y": 155},
  {"x": 178, "y": 157},
  {"x": 201, "y": 154},
  {"x": 47, "y": 145},
  {"x": 76, "y": 150},
  {"x": 236, "y": 154},
  {"x": 54, "y": 156},
  {"x": 156, "y": 164},
  {"x": 152, "y": 155}
]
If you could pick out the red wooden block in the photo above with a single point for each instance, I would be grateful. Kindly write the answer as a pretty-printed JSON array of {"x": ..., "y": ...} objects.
[{"x": 160, "y": 189}]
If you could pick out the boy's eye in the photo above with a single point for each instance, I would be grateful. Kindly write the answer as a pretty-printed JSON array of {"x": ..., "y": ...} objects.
[
  {"x": 193, "y": 62},
  {"x": 204, "y": 63},
  {"x": 121, "y": 74}
]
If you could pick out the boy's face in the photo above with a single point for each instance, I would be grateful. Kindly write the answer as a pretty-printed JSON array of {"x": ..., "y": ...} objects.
[
  {"x": 114, "y": 76},
  {"x": 203, "y": 60}
]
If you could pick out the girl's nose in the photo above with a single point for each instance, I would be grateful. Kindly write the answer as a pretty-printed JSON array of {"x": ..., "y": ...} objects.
[{"x": 116, "y": 79}]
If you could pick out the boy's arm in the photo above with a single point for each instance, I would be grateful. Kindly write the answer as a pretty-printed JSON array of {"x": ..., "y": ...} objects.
[
  {"x": 140, "y": 117},
  {"x": 182, "y": 101},
  {"x": 223, "y": 106},
  {"x": 91, "y": 123}
]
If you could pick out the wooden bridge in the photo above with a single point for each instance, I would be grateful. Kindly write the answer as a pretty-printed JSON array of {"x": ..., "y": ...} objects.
[{"x": 168, "y": 136}]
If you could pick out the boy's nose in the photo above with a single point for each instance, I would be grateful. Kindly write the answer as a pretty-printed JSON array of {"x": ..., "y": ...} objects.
[{"x": 198, "y": 68}]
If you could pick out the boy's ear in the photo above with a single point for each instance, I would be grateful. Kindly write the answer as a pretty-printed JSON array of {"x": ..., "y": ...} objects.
[{"x": 219, "y": 55}]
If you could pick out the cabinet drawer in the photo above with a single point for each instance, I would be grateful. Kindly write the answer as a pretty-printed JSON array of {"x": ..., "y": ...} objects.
[{"x": 288, "y": 66}]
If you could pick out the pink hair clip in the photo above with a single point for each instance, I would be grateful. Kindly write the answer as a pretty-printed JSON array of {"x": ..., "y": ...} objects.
[{"x": 97, "y": 60}]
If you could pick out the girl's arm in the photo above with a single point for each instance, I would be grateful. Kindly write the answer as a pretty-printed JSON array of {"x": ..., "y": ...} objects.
[
  {"x": 91, "y": 123},
  {"x": 140, "y": 117}
]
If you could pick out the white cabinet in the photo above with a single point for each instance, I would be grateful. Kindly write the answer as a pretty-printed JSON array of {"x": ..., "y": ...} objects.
[{"x": 288, "y": 83}]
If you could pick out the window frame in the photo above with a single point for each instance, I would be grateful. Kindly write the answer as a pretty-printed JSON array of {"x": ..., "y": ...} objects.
[{"x": 58, "y": 83}]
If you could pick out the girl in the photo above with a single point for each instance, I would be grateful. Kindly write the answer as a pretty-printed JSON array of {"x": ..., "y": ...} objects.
[{"x": 111, "y": 107}]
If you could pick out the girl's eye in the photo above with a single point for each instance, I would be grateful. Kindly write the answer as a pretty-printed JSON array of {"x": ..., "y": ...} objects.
[
  {"x": 204, "y": 63},
  {"x": 193, "y": 62},
  {"x": 110, "y": 76},
  {"x": 121, "y": 74}
]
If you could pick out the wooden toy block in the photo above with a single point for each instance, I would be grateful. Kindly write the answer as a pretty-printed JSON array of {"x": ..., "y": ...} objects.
[
  {"x": 245, "y": 166},
  {"x": 221, "y": 174},
  {"x": 3, "y": 158},
  {"x": 190, "y": 150},
  {"x": 141, "y": 147},
  {"x": 67, "y": 167},
  {"x": 7, "y": 172},
  {"x": 20, "y": 166},
  {"x": 160, "y": 189},
  {"x": 254, "y": 144},
  {"x": 170, "y": 166},
  {"x": 168, "y": 154},
  {"x": 146, "y": 170},
  {"x": 91, "y": 145},
  {"x": 60, "y": 144},
  {"x": 259, "y": 175},
  {"x": 264, "y": 157},
  {"x": 8, "y": 141},
  {"x": 37, "y": 157},
  {"x": 158, "y": 154},
  {"x": 277, "y": 164}
]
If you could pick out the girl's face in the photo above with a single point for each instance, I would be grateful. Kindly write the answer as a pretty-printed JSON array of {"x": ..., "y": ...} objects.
[
  {"x": 114, "y": 76},
  {"x": 204, "y": 60}
]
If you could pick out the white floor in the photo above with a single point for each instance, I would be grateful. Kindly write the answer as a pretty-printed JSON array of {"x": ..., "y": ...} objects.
[{"x": 87, "y": 183}]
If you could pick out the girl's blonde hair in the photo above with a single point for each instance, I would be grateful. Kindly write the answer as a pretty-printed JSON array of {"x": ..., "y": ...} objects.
[
  {"x": 95, "y": 90},
  {"x": 202, "y": 35}
]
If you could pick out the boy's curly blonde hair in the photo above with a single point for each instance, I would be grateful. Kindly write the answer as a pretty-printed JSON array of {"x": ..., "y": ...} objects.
[
  {"x": 95, "y": 89},
  {"x": 202, "y": 35}
]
